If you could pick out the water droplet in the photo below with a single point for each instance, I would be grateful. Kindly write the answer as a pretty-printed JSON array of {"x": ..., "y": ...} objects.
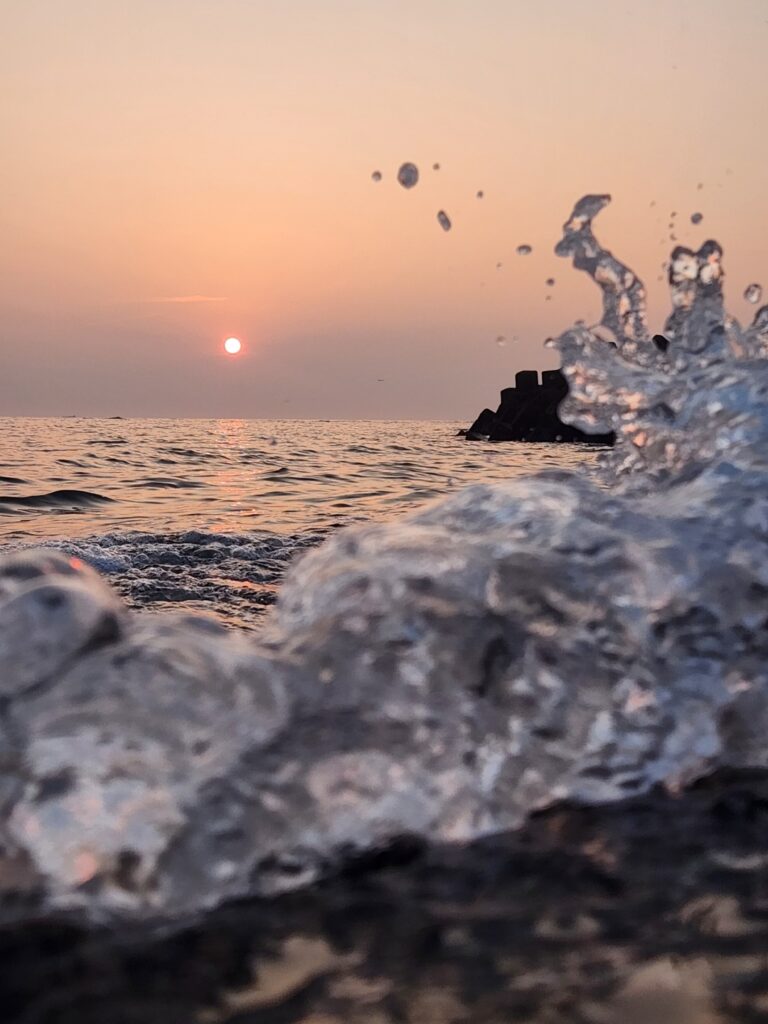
[
  {"x": 550, "y": 282},
  {"x": 652, "y": 202},
  {"x": 444, "y": 220},
  {"x": 408, "y": 175},
  {"x": 501, "y": 341},
  {"x": 700, "y": 186},
  {"x": 753, "y": 293},
  {"x": 376, "y": 175},
  {"x": 673, "y": 214},
  {"x": 524, "y": 250},
  {"x": 480, "y": 194},
  {"x": 547, "y": 298},
  {"x": 697, "y": 218},
  {"x": 499, "y": 266},
  {"x": 435, "y": 167}
]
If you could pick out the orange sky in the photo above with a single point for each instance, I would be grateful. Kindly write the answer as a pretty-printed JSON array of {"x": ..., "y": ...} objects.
[{"x": 223, "y": 150}]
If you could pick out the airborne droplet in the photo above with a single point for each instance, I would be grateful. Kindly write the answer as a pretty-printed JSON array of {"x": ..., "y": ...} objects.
[
  {"x": 501, "y": 341},
  {"x": 408, "y": 175},
  {"x": 753, "y": 293},
  {"x": 480, "y": 194},
  {"x": 524, "y": 250},
  {"x": 550, "y": 282},
  {"x": 435, "y": 167},
  {"x": 697, "y": 218},
  {"x": 444, "y": 220},
  {"x": 376, "y": 175}
]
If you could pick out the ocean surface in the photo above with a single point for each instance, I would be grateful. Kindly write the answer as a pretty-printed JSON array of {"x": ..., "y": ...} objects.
[{"x": 205, "y": 515}]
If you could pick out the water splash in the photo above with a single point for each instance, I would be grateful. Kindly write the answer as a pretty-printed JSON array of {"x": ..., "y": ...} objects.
[
  {"x": 753, "y": 293},
  {"x": 673, "y": 410},
  {"x": 624, "y": 314},
  {"x": 408, "y": 175},
  {"x": 524, "y": 250},
  {"x": 444, "y": 220}
]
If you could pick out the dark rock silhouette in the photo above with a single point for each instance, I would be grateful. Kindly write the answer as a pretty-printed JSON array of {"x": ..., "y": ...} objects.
[{"x": 529, "y": 412}]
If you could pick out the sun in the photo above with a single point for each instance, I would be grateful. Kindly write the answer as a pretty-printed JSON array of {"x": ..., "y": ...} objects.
[{"x": 232, "y": 346}]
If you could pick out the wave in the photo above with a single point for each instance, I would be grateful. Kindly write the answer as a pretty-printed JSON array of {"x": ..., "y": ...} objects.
[
  {"x": 55, "y": 499},
  {"x": 167, "y": 482},
  {"x": 443, "y": 676}
]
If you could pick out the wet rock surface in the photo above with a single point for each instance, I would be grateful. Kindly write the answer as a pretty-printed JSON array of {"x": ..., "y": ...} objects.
[{"x": 650, "y": 910}]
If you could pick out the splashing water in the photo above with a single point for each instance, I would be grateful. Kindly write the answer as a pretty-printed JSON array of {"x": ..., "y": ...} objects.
[
  {"x": 445, "y": 675},
  {"x": 444, "y": 220},
  {"x": 753, "y": 293},
  {"x": 524, "y": 250},
  {"x": 408, "y": 175}
]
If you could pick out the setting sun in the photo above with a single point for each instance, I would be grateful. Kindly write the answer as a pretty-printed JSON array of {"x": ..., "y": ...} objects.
[{"x": 232, "y": 346}]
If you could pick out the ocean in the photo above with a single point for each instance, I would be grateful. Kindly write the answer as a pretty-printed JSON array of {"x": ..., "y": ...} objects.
[
  {"x": 493, "y": 645},
  {"x": 205, "y": 515}
]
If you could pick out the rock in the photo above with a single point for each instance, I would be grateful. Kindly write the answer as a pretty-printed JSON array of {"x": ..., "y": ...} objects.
[
  {"x": 529, "y": 412},
  {"x": 481, "y": 428}
]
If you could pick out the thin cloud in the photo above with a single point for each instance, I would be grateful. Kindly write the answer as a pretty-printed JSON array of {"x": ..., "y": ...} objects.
[{"x": 190, "y": 298}]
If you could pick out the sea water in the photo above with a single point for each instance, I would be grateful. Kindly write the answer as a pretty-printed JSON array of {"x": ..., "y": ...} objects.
[{"x": 205, "y": 515}]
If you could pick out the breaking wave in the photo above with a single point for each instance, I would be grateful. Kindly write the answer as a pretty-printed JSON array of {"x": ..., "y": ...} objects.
[{"x": 442, "y": 676}]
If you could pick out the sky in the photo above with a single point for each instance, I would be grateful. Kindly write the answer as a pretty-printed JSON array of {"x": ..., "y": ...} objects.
[{"x": 177, "y": 172}]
